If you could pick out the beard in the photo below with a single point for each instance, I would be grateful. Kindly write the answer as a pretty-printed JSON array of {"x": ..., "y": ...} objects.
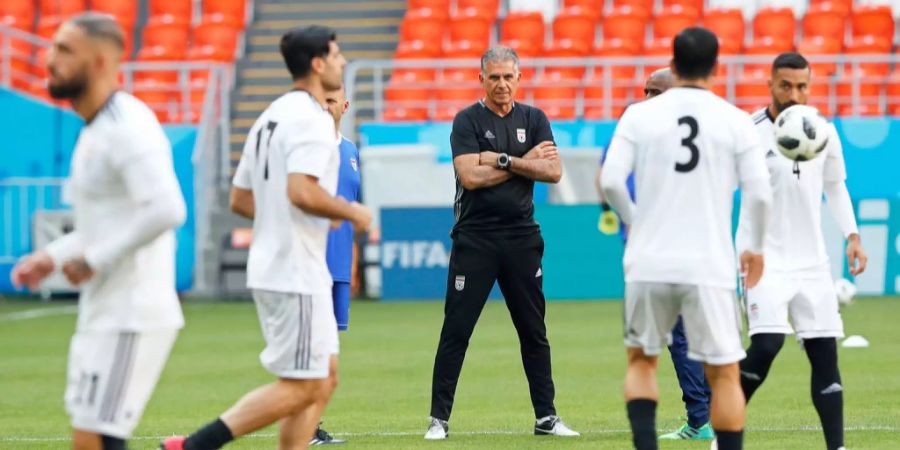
[
  {"x": 779, "y": 107},
  {"x": 68, "y": 89}
]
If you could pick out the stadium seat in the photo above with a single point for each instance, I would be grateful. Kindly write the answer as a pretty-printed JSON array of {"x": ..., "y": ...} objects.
[
  {"x": 616, "y": 48},
  {"x": 625, "y": 23},
  {"x": 866, "y": 85},
  {"x": 160, "y": 53},
  {"x": 892, "y": 91},
  {"x": 418, "y": 50},
  {"x": 62, "y": 8},
  {"x": 17, "y": 13},
  {"x": 524, "y": 26},
  {"x": 769, "y": 47},
  {"x": 868, "y": 45},
  {"x": 660, "y": 49},
  {"x": 812, "y": 46},
  {"x": 527, "y": 50},
  {"x": 643, "y": 8},
  {"x": 462, "y": 50},
  {"x": 774, "y": 22},
  {"x": 872, "y": 20},
  {"x": 178, "y": 8},
  {"x": 124, "y": 11},
  {"x": 672, "y": 19},
  {"x": 577, "y": 24},
  {"x": 727, "y": 48},
  {"x": 824, "y": 20},
  {"x": 235, "y": 9},
  {"x": 471, "y": 24},
  {"x": 595, "y": 97},
  {"x": 443, "y": 5},
  {"x": 555, "y": 95},
  {"x": 868, "y": 107},
  {"x": 489, "y": 8},
  {"x": 217, "y": 30},
  {"x": 167, "y": 31},
  {"x": 727, "y": 23},
  {"x": 423, "y": 24},
  {"x": 212, "y": 53},
  {"x": 752, "y": 91},
  {"x": 696, "y": 5},
  {"x": 843, "y": 7},
  {"x": 399, "y": 114},
  {"x": 593, "y": 7},
  {"x": 455, "y": 92},
  {"x": 566, "y": 48},
  {"x": 159, "y": 97}
]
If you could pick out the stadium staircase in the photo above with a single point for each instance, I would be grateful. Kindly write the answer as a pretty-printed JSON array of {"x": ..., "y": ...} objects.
[{"x": 366, "y": 29}]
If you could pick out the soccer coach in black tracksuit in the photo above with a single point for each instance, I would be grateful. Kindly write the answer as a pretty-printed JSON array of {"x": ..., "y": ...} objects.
[{"x": 500, "y": 148}]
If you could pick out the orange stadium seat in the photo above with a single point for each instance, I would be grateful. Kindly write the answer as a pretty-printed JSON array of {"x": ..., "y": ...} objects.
[
  {"x": 17, "y": 13},
  {"x": 159, "y": 97},
  {"x": 418, "y": 50},
  {"x": 463, "y": 50},
  {"x": 555, "y": 95},
  {"x": 489, "y": 8},
  {"x": 433, "y": 4},
  {"x": 160, "y": 53},
  {"x": 868, "y": 86},
  {"x": 408, "y": 94},
  {"x": 526, "y": 51},
  {"x": 63, "y": 8},
  {"x": 595, "y": 96},
  {"x": 672, "y": 19},
  {"x": 179, "y": 8},
  {"x": 625, "y": 23},
  {"x": 47, "y": 26},
  {"x": 125, "y": 12},
  {"x": 235, "y": 9},
  {"x": 874, "y": 20},
  {"x": 640, "y": 7},
  {"x": 659, "y": 48},
  {"x": 219, "y": 30},
  {"x": 841, "y": 6},
  {"x": 399, "y": 114},
  {"x": 616, "y": 48},
  {"x": 471, "y": 24},
  {"x": 577, "y": 24},
  {"x": 456, "y": 91},
  {"x": 212, "y": 53},
  {"x": 775, "y": 22},
  {"x": 727, "y": 48},
  {"x": 752, "y": 91},
  {"x": 167, "y": 32},
  {"x": 766, "y": 46},
  {"x": 594, "y": 7},
  {"x": 696, "y": 5},
  {"x": 814, "y": 45},
  {"x": 566, "y": 48},
  {"x": 869, "y": 45},
  {"x": 524, "y": 26},
  {"x": 423, "y": 24},
  {"x": 868, "y": 107},
  {"x": 824, "y": 20},
  {"x": 727, "y": 23}
]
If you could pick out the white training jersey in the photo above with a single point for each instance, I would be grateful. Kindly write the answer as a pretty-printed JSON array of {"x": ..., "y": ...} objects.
[
  {"x": 687, "y": 150},
  {"x": 793, "y": 240},
  {"x": 122, "y": 158},
  {"x": 295, "y": 134}
]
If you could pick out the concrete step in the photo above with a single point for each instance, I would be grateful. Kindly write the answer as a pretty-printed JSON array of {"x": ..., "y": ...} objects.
[
  {"x": 281, "y": 25},
  {"x": 349, "y": 12},
  {"x": 387, "y": 45},
  {"x": 350, "y": 55},
  {"x": 329, "y": 6}
]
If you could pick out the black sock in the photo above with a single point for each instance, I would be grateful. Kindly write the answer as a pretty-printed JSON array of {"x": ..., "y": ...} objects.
[
  {"x": 112, "y": 443},
  {"x": 730, "y": 440},
  {"x": 211, "y": 437},
  {"x": 827, "y": 390},
  {"x": 642, "y": 416},
  {"x": 755, "y": 367}
]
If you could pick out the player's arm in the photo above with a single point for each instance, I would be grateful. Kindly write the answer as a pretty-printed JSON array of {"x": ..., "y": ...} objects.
[
  {"x": 467, "y": 158},
  {"x": 241, "y": 197},
  {"x": 32, "y": 269},
  {"x": 149, "y": 178},
  {"x": 305, "y": 193},
  {"x": 756, "y": 201},
  {"x": 541, "y": 163},
  {"x": 619, "y": 164},
  {"x": 837, "y": 197}
]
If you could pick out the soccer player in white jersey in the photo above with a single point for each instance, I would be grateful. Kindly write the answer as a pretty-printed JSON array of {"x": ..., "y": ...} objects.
[
  {"x": 796, "y": 293},
  {"x": 680, "y": 254},
  {"x": 127, "y": 202},
  {"x": 286, "y": 182}
]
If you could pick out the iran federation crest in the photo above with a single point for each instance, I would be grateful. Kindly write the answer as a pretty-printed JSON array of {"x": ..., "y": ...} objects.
[
  {"x": 460, "y": 283},
  {"x": 354, "y": 164},
  {"x": 520, "y": 135}
]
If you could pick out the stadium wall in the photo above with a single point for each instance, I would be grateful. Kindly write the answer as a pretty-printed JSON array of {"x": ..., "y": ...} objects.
[
  {"x": 580, "y": 262},
  {"x": 38, "y": 141}
]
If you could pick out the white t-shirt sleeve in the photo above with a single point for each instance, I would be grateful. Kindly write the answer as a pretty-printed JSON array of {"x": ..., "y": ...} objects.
[
  {"x": 750, "y": 155},
  {"x": 835, "y": 170},
  {"x": 619, "y": 164},
  {"x": 243, "y": 175},
  {"x": 310, "y": 146}
]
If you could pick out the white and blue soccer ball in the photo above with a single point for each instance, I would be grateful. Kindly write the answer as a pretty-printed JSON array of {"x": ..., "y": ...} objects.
[
  {"x": 845, "y": 290},
  {"x": 801, "y": 133}
]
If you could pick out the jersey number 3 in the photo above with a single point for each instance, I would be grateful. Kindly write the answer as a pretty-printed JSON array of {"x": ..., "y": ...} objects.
[
  {"x": 259, "y": 137},
  {"x": 688, "y": 143}
]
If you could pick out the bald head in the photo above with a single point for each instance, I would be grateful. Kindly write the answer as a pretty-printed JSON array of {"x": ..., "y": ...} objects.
[
  {"x": 660, "y": 81},
  {"x": 100, "y": 27}
]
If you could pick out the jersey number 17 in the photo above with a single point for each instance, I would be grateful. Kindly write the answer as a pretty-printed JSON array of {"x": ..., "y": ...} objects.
[{"x": 270, "y": 127}]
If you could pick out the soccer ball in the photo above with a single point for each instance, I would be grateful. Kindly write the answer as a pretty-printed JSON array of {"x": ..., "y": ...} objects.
[
  {"x": 846, "y": 290},
  {"x": 801, "y": 133}
]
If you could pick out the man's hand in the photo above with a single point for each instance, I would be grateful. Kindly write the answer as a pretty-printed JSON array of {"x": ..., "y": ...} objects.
[
  {"x": 31, "y": 270},
  {"x": 856, "y": 256},
  {"x": 489, "y": 159},
  {"x": 544, "y": 150},
  {"x": 752, "y": 265},
  {"x": 77, "y": 271},
  {"x": 362, "y": 218}
]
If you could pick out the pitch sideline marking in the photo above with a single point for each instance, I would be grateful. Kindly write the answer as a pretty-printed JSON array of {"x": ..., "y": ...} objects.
[{"x": 37, "y": 313}]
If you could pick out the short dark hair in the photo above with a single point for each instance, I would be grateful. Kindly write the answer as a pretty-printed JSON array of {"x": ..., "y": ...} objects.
[
  {"x": 300, "y": 45},
  {"x": 695, "y": 51},
  {"x": 789, "y": 60},
  {"x": 100, "y": 26}
]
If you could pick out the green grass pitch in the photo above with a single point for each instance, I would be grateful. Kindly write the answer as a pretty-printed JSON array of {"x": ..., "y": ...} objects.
[{"x": 386, "y": 359}]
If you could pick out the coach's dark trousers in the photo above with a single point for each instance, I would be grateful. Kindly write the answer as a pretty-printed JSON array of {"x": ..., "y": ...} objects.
[{"x": 476, "y": 261}]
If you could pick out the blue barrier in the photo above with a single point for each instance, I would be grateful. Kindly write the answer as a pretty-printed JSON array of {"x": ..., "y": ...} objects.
[{"x": 38, "y": 141}]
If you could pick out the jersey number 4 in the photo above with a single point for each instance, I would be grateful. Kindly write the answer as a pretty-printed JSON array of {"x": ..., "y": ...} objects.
[
  {"x": 688, "y": 143},
  {"x": 270, "y": 127}
]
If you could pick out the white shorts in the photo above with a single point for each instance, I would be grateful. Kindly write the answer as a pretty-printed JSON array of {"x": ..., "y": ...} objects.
[
  {"x": 300, "y": 332},
  {"x": 111, "y": 376},
  {"x": 782, "y": 303},
  {"x": 712, "y": 320}
]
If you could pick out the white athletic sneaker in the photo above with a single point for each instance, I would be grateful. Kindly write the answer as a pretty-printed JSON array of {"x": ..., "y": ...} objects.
[
  {"x": 714, "y": 445},
  {"x": 553, "y": 425},
  {"x": 439, "y": 429}
]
